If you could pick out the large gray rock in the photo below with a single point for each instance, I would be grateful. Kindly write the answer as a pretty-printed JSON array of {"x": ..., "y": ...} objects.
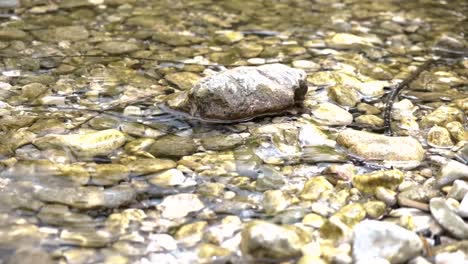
[
  {"x": 244, "y": 92},
  {"x": 375, "y": 239},
  {"x": 373, "y": 146}
]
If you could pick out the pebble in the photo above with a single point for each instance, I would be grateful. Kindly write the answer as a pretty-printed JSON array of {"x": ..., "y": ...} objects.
[
  {"x": 331, "y": 114},
  {"x": 180, "y": 205},
  {"x": 373, "y": 146},
  {"x": 266, "y": 240}
]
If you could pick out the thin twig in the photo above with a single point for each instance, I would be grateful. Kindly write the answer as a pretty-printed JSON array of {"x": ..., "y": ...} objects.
[{"x": 396, "y": 91}]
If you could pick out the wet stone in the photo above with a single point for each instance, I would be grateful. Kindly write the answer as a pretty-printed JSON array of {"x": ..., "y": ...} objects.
[
  {"x": 222, "y": 142},
  {"x": 117, "y": 47},
  {"x": 9, "y": 34},
  {"x": 90, "y": 238},
  {"x": 173, "y": 146},
  {"x": 183, "y": 80},
  {"x": 368, "y": 183},
  {"x": 370, "y": 120},
  {"x": 344, "y": 96},
  {"x": 441, "y": 116},
  {"x": 396, "y": 244},
  {"x": 330, "y": 114},
  {"x": 171, "y": 177},
  {"x": 179, "y": 205},
  {"x": 108, "y": 174},
  {"x": 147, "y": 166},
  {"x": 265, "y": 240},
  {"x": 314, "y": 188},
  {"x": 379, "y": 147},
  {"x": 84, "y": 145},
  {"x": 246, "y": 92},
  {"x": 87, "y": 197}
]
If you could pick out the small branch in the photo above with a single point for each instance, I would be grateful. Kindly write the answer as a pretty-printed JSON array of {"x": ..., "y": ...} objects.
[{"x": 396, "y": 91}]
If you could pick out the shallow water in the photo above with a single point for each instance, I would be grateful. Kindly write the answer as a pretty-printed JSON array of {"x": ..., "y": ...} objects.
[{"x": 88, "y": 157}]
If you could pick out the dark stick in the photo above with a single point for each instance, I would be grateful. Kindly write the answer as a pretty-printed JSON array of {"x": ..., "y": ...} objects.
[{"x": 396, "y": 91}]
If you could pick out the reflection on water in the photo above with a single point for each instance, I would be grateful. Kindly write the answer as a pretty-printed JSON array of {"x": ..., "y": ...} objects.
[{"x": 95, "y": 168}]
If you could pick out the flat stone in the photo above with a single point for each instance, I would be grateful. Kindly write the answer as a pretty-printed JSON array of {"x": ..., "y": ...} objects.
[
  {"x": 147, "y": 166},
  {"x": 374, "y": 239},
  {"x": 245, "y": 92},
  {"x": 373, "y": 146},
  {"x": 87, "y": 197},
  {"x": 183, "y": 80},
  {"x": 118, "y": 47},
  {"x": 84, "y": 145},
  {"x": 173, "y": 146},
  {"x": 448, "y": 219}
]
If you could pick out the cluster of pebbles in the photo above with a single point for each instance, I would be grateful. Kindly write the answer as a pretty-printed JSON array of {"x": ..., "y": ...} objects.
[{"x": 233, "y": 132}]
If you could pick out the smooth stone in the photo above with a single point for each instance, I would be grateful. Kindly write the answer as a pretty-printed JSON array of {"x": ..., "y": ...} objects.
[
  {"x": 274, "y": 201},
  {"x": 459, "y": 190},
  {"x": 349, "y": 41},
  {"x": 147, "y": 166},
  {"x": 171, "y": 177},
  {"x": 448, "y": 219},
  {"x": 222, "y": 142},
  {"x": 403, "y": 109},
  {"x": 441, "y": 116},
  {"x": 245, "y": 92},
  {"x": 368, "y": 183},
  {"x": 262, "y": 239},
  {"x": 439, "y": 137},
  {"x": 9, "y": 34},
  {"x": 173, "y": 146},
  {"x": 84, "y": 145},
  {"x": 108, "y": 174},
  {"x": 451, "y": 171},
  {"x": 87, "y": 238},
  {"x": 331, "y": 114},
  {"x": 183, "y": 80},
  {"x": 118, "y": 47},
  {"x": 343, "y": 95},
  {"x": 370, "y": 120},
  {"x": 373, "y": 146},
  {"x": 180, "y": 205},
  {"x": 463, "y": 208},
  {"x": 87, "y": 197},
  {"x": 375, "y": 239},
  {"x": 314, "y": 188},
  {"x": 26, "y": 255}
]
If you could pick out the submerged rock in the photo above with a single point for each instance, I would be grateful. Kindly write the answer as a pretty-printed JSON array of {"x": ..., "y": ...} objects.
[
  {"x": 379, "y": 147},
  {"x": 374, "y": 239},
  {"x": 84, "y": 145},
  {"x": 265, "y": 240},
  {"x": 245, "y": 92}
]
